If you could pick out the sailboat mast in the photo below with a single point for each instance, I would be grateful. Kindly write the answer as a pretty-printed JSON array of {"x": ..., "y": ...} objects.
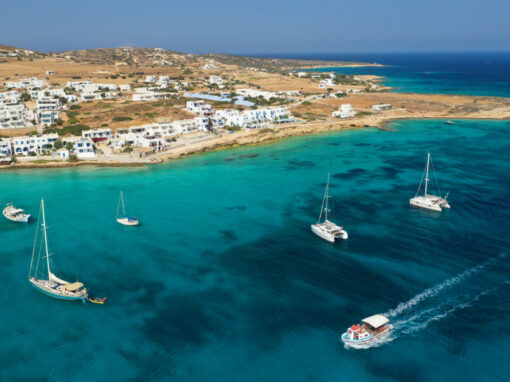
[
  {"x": 45, "y": 237},
  {"x": 427, "y": 174},
  {"x": 123, "y": 207},
  {"x": 327, "y": 197}
]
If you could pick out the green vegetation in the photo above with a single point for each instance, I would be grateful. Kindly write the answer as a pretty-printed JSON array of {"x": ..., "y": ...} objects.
[
  {"x": 121, "y": 119},
  {"x": 66, "y": 130},
  {"x": 363, "y": 113},
  {"x": 233, "y": 128},
  {"x": 57, "y": 144},
  {"x": 74, "y": 107},
  {"x": 25, "y": 97},
  {"x": 73, "y": 158},
  {"x": 150, "y": 115},
  {"x": 345, "y": 80},
  {"x": 104, "y": 125},
  {"x": 107, "y": 106},
  {"x": 72, "y": 114},
  {"x": 127, "y": 149},
  {"x": 266, "y": 130},
  {"x": 73, "y": 120},
  {"x": 306, "y": 103},
  {"x": 69, "y": 146}
]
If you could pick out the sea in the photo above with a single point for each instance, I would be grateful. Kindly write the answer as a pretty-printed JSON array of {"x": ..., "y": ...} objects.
[{"x": 224, "y": 281}]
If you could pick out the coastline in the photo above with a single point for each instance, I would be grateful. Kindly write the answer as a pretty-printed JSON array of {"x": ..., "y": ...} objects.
[{"x": 248, "y": 138}]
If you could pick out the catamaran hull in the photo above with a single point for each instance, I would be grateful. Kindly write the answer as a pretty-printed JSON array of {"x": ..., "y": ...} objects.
[
  {"x": 326, "y": 236},
  {"x": 432, "y": 204}
]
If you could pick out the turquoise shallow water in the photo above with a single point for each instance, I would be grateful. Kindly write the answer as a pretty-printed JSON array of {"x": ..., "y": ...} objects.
[{"x": 224, "y": 281}]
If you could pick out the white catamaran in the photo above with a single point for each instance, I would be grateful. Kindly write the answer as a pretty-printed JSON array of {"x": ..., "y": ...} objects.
[
  {"x": 43, "y": 279},
  {"x": 125, "y": 220},
  {"x": 427, "y": 201},
  {"x": 15, "y": 214},
  {"x": 328, "y": 230}
]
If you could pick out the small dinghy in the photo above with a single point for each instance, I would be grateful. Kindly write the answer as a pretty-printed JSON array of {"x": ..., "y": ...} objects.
[
  {"x": 15, "y": 214},
  {"x": 370, "y": 330},
  {"x": 125, "y": 220},
  {"x": 97, "y": 300},
  {"x": 449, "y": 122}
]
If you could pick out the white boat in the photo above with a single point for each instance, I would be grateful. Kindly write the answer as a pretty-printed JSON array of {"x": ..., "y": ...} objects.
[
  {"x": 427, "y": 201},
  {"x": 40, "y": 275},
  {"x": 15, "y": 214},
  {"x": 326, "y": 229},
  {"x": 369, "y": 331},
  {"x": 449, "y": 122},
  {"x": 125, "y": 220}
]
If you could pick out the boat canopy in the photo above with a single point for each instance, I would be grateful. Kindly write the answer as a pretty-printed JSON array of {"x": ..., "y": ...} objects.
[
  {"x": 73, "y": 287},
  {"x": 376, "y": 321}
]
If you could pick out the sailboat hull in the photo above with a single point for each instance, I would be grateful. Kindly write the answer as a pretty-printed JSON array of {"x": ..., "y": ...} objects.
[
  {"x": 429, "y": 202},
  {"x": 82, "y": 296},
  {"x": 128, "y": 222},
  {"x": 329, "y": 231}
]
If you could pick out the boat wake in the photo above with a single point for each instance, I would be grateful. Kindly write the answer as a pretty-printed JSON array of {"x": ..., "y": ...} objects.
[{"x": 442, "y": 300}]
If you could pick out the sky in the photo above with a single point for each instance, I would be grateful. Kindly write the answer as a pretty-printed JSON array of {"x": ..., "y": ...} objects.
[{"x": 258, "y": 26}]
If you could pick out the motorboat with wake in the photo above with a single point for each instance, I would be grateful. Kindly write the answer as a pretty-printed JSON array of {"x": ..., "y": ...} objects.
[
  {"x": 15, "y": 214},
  {"x": 369, "y": 331},
  {"x": 125, "y": 220},
  {"x": 427, "y": 201},
  {"x": 326, "y": 229},
  {"x": 44, "y": 280}
]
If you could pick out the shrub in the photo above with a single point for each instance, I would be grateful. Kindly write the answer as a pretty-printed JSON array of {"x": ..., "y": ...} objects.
[
  {"x": 73, "y": 120},
  {"x": 74, "y": 107},
  {"x": 32, "y": 154},
  {"x": 306, "y": 103},
  {"x": 233, "y": 128},
  {"x": 120, "y": 119},
  {"x": 73, "y": 158},
  {"x": 104, "y": 125},
  {"x": 57, "y": 144},
  {"x": 71, "y": 114}
]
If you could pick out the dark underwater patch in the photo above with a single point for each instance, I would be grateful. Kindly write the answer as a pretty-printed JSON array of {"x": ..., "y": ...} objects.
[
  {"x": 361, "y": 144},
  {"x": 249, "y": 156},
  {"x": 228, "y": 234},
  {"x": 352, "y": 173},
  {"x": 295, "y": 164},
  {"x": 239, "y": 208}
]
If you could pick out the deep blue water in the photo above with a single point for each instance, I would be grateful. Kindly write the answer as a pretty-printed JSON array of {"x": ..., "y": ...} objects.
[
  {"x": 224, "y": 281},
  {"x": 479, "y": 73}
]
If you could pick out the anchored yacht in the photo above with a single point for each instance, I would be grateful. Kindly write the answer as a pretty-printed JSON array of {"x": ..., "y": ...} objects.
[
  {"x": 368, "y": 331},
  {"x": 427, "y": 201},
  {"x": 125, "y": 220},
  {"x": 15, "y": 214},
  {"x": 326, "y": 229}
]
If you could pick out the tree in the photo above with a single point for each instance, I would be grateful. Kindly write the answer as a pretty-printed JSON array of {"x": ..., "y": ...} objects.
[
  {"x": 57, "y": 144},
  {"x": 25, "y": 97},
  {"x": 69, "y": 145}
]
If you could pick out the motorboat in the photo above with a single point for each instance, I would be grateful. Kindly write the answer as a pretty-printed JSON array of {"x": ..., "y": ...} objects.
[
  {"x": 428, "y": 201},
  {"x": 326, "y": 229},
  {"x": 369, "y": 331},
  {"x": 15, "y": 214}
]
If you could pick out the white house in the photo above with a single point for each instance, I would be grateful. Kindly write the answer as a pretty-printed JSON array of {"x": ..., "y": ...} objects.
[
  {"x": 150, "y": 79},
  {"x": 50, "y": 72},
  {"x": 47, "y": 103},
  {"x": 199, "y": 107},
  {"x": 216, "y": 80},
  {"x": 62, "y": 154},
  {"x": 35, "y": 143},
  {"x": 209, "y": 67},
  {"x": 12, "y": 96},
  {"x": 26, "y": 83},
  {"x": 13, "y": 116},
  {"x": 381, "y": 107},
  {"x": 125, "y": 87},
  {"x": 345, "y": 111},
  {"x": 47, "y": 117},
  {"x": 5, "y": 148},
  {"x": 97, "y": 134},
  {"x": 249, "y": 118},
  {"x": 253, "y": 93}
]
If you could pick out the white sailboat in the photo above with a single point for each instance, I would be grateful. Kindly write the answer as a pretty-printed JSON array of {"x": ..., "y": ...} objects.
[
  {"x": 427, "y": 201},
  {"x": 15, "y": 214},
  {"x": 326, "y": 229},
  {"x": 125, "y": 220},
  {"x": 49, "y": 283}
]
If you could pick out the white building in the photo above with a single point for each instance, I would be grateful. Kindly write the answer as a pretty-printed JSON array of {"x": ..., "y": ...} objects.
[
  {"x": 84, "y": 148},
  {"x": 253, "y": 93},
  {"x": 12, "y": 96},
  {"x": 199, "y": 107},
  {"x": 50, "y": 72},
  {"x": 125, "y": 87},
  {"x": 48, "y": 117},
  {"x": 26, "y": 83},
  {"x": 216, "y": 80},
  {"x": 150, "y": 96},
  {"x": 345, "y": 111},
  {"x": 381, "y": 107},
  {"x": 209, "y": 67},
  {"x": 251, "y": 118},
  {"x": 5, "y": 148},
  {"x": 61, "y": 154},
  {"x": 13, "y": 116},
  {"x": 326, "y": 82},
  {"x": 97, "y": 134},
  {"x": 150, "y": 79},
  {"x": 35, "y": 144},
  {"x": 47, "y": 103}
]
